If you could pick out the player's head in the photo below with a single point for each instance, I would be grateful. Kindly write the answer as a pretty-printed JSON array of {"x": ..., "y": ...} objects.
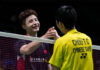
[
  {"x": 66, "y": 16},
  {"x": 29, "y": 20}
]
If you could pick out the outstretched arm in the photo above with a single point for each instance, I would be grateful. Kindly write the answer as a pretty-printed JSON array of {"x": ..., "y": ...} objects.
[
  {"x": 51, "y": 67},
  {"x": 32, "y": 46}
]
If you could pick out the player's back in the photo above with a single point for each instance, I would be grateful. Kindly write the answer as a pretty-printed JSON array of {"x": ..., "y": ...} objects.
[{"x": 77, "y": 52}]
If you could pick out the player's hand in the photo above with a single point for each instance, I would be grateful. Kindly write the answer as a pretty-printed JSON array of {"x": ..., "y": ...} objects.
[{"x": 51, "y": 34}]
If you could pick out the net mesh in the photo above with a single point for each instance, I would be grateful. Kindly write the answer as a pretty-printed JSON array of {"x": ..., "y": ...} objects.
[
  {"x": 7, "y": 54},
  {"x": 11, "y": 59}
]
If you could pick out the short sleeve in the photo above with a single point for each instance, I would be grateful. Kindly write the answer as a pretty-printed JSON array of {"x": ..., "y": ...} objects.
[
  {"x": 18, "y": 43},
  {"x": 57, "y": 56}
]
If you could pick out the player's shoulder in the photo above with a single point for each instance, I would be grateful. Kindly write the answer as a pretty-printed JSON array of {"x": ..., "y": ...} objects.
[
  {"x": 62, "y": 39},
  {"x": 85, "y": 35}
]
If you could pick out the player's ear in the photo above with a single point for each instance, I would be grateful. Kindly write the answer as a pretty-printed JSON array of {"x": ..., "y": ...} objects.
[
  {"x": 57, "y": 23},
  {"x": 62, "y": 27},
  {"x": 60, "y": 24}
]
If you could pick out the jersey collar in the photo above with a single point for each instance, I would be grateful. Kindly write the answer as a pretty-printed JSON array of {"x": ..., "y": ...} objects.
[{"x": 72, "y": 31}]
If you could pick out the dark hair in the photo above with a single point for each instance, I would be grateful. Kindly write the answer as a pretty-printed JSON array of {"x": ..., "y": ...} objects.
[
  {"x": 67, "y": 15},
  {"x": 24, "y": 14}
]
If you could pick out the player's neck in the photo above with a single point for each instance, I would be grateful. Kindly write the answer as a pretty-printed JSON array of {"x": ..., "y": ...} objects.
[
  {"x": 32, "y": 34},
  {"x": 67, "y": 30}
]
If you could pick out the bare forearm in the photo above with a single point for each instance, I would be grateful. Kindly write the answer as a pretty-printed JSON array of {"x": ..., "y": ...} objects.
[
  {"x": 29, "y": 48},
  {"x": 49, "y": 67},
  {"x": 53, "y": 67}
]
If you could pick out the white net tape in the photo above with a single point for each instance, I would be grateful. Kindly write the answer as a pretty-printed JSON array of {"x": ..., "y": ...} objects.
[{"x": 30, "y": 38}]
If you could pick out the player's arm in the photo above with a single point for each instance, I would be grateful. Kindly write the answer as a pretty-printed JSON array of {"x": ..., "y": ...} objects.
[
  {"x": 32, "y": 46},
  {"x": 54, "y": 68},
  {"x": 29, "y": 48}
]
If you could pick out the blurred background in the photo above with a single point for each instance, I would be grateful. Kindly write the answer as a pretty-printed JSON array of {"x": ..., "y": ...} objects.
[
  {"x": 88, "y": 22},
  {"x": 88, "y": 15}
]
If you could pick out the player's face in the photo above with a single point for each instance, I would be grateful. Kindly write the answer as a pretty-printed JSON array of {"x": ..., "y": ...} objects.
[{"x": 32, "y": 24}]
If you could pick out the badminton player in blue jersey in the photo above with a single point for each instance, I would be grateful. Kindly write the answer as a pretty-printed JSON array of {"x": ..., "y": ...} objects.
[{"x": 37, "y": 53}]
